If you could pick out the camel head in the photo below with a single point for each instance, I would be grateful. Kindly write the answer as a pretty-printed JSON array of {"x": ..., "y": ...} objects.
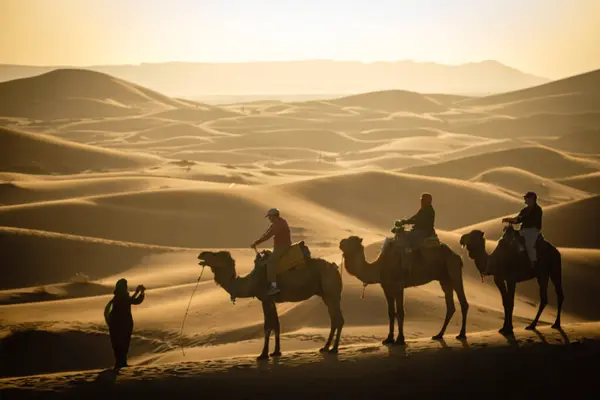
[
  {"x": 351, "y": 245},
  {"x": 474, "y": 241},
  {"x": 220, "y": 263},
  {"x": 261, "y": 258}
]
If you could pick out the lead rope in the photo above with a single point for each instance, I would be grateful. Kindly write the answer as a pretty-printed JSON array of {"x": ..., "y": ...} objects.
[
  {"x": 362, "y": 296},
  {"x": 188, "y": 309}
]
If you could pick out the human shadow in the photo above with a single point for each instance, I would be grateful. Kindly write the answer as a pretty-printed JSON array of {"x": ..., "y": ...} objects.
[{"x": 108, "y": 377}]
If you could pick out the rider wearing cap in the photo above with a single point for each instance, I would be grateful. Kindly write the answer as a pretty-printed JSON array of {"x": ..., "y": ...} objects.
[
  {"x": 282, "y": 240},
  {"x": 423, "y": 221},
  {"x": 530, "y": 218}
]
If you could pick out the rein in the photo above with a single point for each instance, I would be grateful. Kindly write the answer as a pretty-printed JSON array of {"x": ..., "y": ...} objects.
[{"x": 188, "y": 309}]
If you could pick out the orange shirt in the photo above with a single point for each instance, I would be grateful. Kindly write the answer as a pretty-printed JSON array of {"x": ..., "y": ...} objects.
[{"x": 280, "y": 232}]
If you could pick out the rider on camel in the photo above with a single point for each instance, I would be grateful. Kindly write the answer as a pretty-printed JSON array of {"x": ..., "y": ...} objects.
[{"x": 282, "y": 240}]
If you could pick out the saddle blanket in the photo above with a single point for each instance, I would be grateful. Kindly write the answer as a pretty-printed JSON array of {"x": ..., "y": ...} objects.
[{"x": 293, "y": 257}]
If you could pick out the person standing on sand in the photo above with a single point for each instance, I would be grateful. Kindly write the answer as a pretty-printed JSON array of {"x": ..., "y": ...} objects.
[
  {"x": 282, "y": 241},
  {"x": 530, "y": 218},
  {"x": 117, "y": 315}
]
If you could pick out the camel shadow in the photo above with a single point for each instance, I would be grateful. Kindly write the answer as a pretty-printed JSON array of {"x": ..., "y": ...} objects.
[
  {"x": 442, "y": 342},
  {"x": 511, "y": 339},
  {"x": 464, "y": 343},
  {"x": 395, "y": 350},
  {"x": 563, "y": 335}
]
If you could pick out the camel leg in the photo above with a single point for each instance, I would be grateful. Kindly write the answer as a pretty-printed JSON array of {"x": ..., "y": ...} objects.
[
  {"x": 450, "y": 308},
  {"x": 400, "y": 315},
  {"x": 556, "y": 277},
  {"x": 543, "y": 283},
  {"x": 502, "y": 289},
  {"x": 268, "y": 307},
  {"x": 276, "y": 328},
  {"x": 337, "y": 322},
  {"x": 511, "y": 286},
  {"x": 464, "y": 306},
  {"x": 391, "y": 315}
]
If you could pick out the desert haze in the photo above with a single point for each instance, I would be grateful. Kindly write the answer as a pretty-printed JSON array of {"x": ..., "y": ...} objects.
[{"x": 102, "y": 178}]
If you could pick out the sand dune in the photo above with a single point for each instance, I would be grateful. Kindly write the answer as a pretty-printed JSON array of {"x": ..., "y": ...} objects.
[
  {"x": 585, "y": 141},
  {"x": 517, "y": 182},
  {"x": 37, "y": 153},
  {"x": 587, "y": 182},
  {"x": 532, "y": 126},
  {"x": 315, "y": 139},
  {"x": 379, "y": 198},
  {"x": 19, "y": 191},
  {"x": 566, "y": 225},
  {"x": 170, "y": 217},
  {"x": 112, "y": 125},
  {"x": 59, "y": 257},
  {"x": 197, "y": 113},
  {"x": 75, "y": 93},
  {"x": 573, "y": 94},
  {"x": 392, "y": 101},
  {"x": 538, "y": 160}
]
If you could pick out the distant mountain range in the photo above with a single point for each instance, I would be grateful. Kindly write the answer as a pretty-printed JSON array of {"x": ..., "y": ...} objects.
[{"x": 311, "y": 77}]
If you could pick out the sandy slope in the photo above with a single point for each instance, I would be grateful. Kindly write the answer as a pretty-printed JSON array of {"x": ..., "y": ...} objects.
[
  {"x": 518, "y": 182},
  {"x": 542, "y": 161},
  {"x": 174, "y": 177},
  {"x": 588, "y": 182},
  {"x": 379, "y": 198},
  {"x": 42, "y": 154},
  {"x": 573, "y": 94},
  {"x": 74, "y": 93}
]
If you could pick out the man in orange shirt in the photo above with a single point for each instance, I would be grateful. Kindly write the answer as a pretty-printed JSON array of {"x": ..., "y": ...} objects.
[{"x": 282, "y": 240}]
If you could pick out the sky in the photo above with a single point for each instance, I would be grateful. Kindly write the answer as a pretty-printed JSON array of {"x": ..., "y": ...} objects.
[{"x": 549, "y": 38}]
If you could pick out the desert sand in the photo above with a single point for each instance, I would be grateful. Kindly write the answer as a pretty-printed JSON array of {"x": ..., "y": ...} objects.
[{"x": 101, "y": 179}]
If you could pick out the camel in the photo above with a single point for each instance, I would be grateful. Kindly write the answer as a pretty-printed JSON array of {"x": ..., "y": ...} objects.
[
  {"x": 506, "y": 266},
  {"x": 316, "y": 277},
  {"x": 440, "y": 264}
]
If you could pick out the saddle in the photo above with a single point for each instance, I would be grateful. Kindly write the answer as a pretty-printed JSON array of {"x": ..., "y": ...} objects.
[{"x": 297, "y": 255}]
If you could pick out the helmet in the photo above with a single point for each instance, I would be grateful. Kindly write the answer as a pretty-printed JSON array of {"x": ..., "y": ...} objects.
[
  {"x": 272, "y": 212},
  {"x": 530, "y": 194},
  {"x": 426, "y": 198}
]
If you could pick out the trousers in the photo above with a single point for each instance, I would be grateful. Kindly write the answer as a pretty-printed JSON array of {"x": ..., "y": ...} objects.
[
  {"x": 530, "y": 235},
  {"x": 272, "y": 262}
]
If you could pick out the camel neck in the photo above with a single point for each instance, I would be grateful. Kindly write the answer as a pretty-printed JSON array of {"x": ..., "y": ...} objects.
[
  {"x": 358, "y": 266},
  {"x": 234, "y": 285},
  {"x": 481, "y": 259}
]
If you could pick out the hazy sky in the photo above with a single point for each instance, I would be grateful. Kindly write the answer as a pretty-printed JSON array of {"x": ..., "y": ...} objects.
[{"x": 552, "y": 38}]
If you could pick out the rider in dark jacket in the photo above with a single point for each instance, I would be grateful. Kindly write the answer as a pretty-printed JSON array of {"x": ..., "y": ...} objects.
[{"x": 423, "y": 221}]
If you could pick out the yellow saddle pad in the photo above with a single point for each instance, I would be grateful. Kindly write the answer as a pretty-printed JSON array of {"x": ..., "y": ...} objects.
[{"x": 293, "y": 257}]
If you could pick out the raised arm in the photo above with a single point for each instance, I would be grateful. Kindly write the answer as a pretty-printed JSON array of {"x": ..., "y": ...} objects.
[
  {"x": 266, "y": 236},
  {"x": 137, "y": 298}
]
